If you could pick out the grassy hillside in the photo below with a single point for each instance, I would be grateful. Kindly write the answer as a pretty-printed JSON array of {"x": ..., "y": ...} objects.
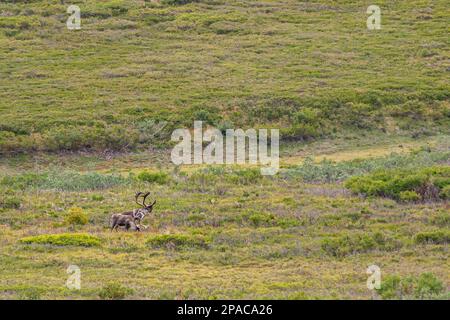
[
  {"x": 311, "y": 68},
  {"x": 364, "y": 178}
]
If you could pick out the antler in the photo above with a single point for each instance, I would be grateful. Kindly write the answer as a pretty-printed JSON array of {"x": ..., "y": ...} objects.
[
  {"x": 137, "y": 197},
  {"x": 145, "y": 197}
]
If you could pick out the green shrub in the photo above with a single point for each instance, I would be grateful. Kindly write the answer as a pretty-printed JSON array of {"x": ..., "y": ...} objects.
[
  {"x": 261, "y": 219},
  {"x": 177, "y": 2},
  {"x": 31, "y": 293},
  {"x": 402, "y": 184},
  {"x": 178, "y": 241},
  {"x": 76, "y": 216},
  {"x": 153, "y": 177},
  {"x": 445, "y": 192},
  {"x": 63, "y": 239},
  {"x": 97, "y": 197},
  {"x": 351, "y": 244},
  {"x": 10, "y": 202},
  {"x": 245, "y": 176},
  {"x": 441, "y": 219},
  {"x": 408, "y": 196},
  {"x": 426, "y": 286},
  {"x": 287, "y": 222},
  {"x": 23, "y": 181},
  {"x": 114, "y": 291},
  {"x": 436, "y": 237},
  {"x": 301, "y": 131}
]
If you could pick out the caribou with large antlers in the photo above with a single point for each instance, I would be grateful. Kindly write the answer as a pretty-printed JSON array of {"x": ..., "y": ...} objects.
[{"x": 133, "y": 219}]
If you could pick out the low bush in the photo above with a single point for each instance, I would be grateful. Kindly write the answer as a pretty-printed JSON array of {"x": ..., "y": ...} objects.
[
  {"x": 245, "y": 176},
  {"x": 97, "y": 197},
  {"x": 423, "y": 184},
  {"x": 10, "y": 202},
  {"x": 153, "y": 177},
  {"x": 30, "y": 293},
  {"x": 425, "y": 286},
  {"x": 265, "y": 219},
  {"x": 442, "y": 219},
  {"x": 302, "y": 132},
  {"x": 23, "y": 181},
  {"x": 261, "y": 219},
  {"x": 63, "y": 239},
  {"x": 408, "y": 196},
  {"x": 445, "y": 192},
  {"x": 435, "y": 237},
  {"x": 76, "y": 216},
  {"x": 114, "y": 291},
  {"x": 177, "y": 2},
  {"x": 352, "y": 244}
]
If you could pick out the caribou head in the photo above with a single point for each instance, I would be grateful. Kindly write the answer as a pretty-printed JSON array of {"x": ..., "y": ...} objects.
[
  {"x": 144, "y": 196},
  {"x": 146, "y": 209}
]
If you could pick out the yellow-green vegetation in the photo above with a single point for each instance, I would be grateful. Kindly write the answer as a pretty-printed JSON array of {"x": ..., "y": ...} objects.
[
  {"x": 76, "y": 216},
  {"x": 153, "y": 177},
  {"x": 64, "y": 239},
  {"x": 221, "y": 232},
  {"x": 86, "y": 119}
]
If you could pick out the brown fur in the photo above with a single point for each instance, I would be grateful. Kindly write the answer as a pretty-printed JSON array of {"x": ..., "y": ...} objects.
[{"x": 121, "y": 220}]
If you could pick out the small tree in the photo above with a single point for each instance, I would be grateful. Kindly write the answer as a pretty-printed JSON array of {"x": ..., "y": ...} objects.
[{"x": 76, "y": 216}]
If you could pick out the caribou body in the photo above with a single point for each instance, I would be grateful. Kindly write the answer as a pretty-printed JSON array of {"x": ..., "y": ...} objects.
[{"x": 132, "y": 219}]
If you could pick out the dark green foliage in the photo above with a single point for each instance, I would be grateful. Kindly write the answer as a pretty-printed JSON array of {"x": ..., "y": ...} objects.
[
  {"x": 436, "y": 237},
  {"x": 10, "y": 202},
  {"x": 403, "y": 184},
  {"x": 31, "y": 293},
  {"x": 445, "y": 192},
  {"x": 177, "y": 2},
  {"x": 24, "y": 181},
  {"x": 115, "y": 291},
  {"x": 245, "y": 176},
  {"x": 358, "y": 243},
  {"x": 425, "y": 286}
]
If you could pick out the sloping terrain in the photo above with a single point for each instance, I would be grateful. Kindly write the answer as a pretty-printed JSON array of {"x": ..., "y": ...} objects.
[{"x": 86, "y": 119}]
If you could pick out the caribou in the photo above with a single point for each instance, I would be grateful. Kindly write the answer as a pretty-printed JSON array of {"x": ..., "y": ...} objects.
[{"x": 133, "y": 219}]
